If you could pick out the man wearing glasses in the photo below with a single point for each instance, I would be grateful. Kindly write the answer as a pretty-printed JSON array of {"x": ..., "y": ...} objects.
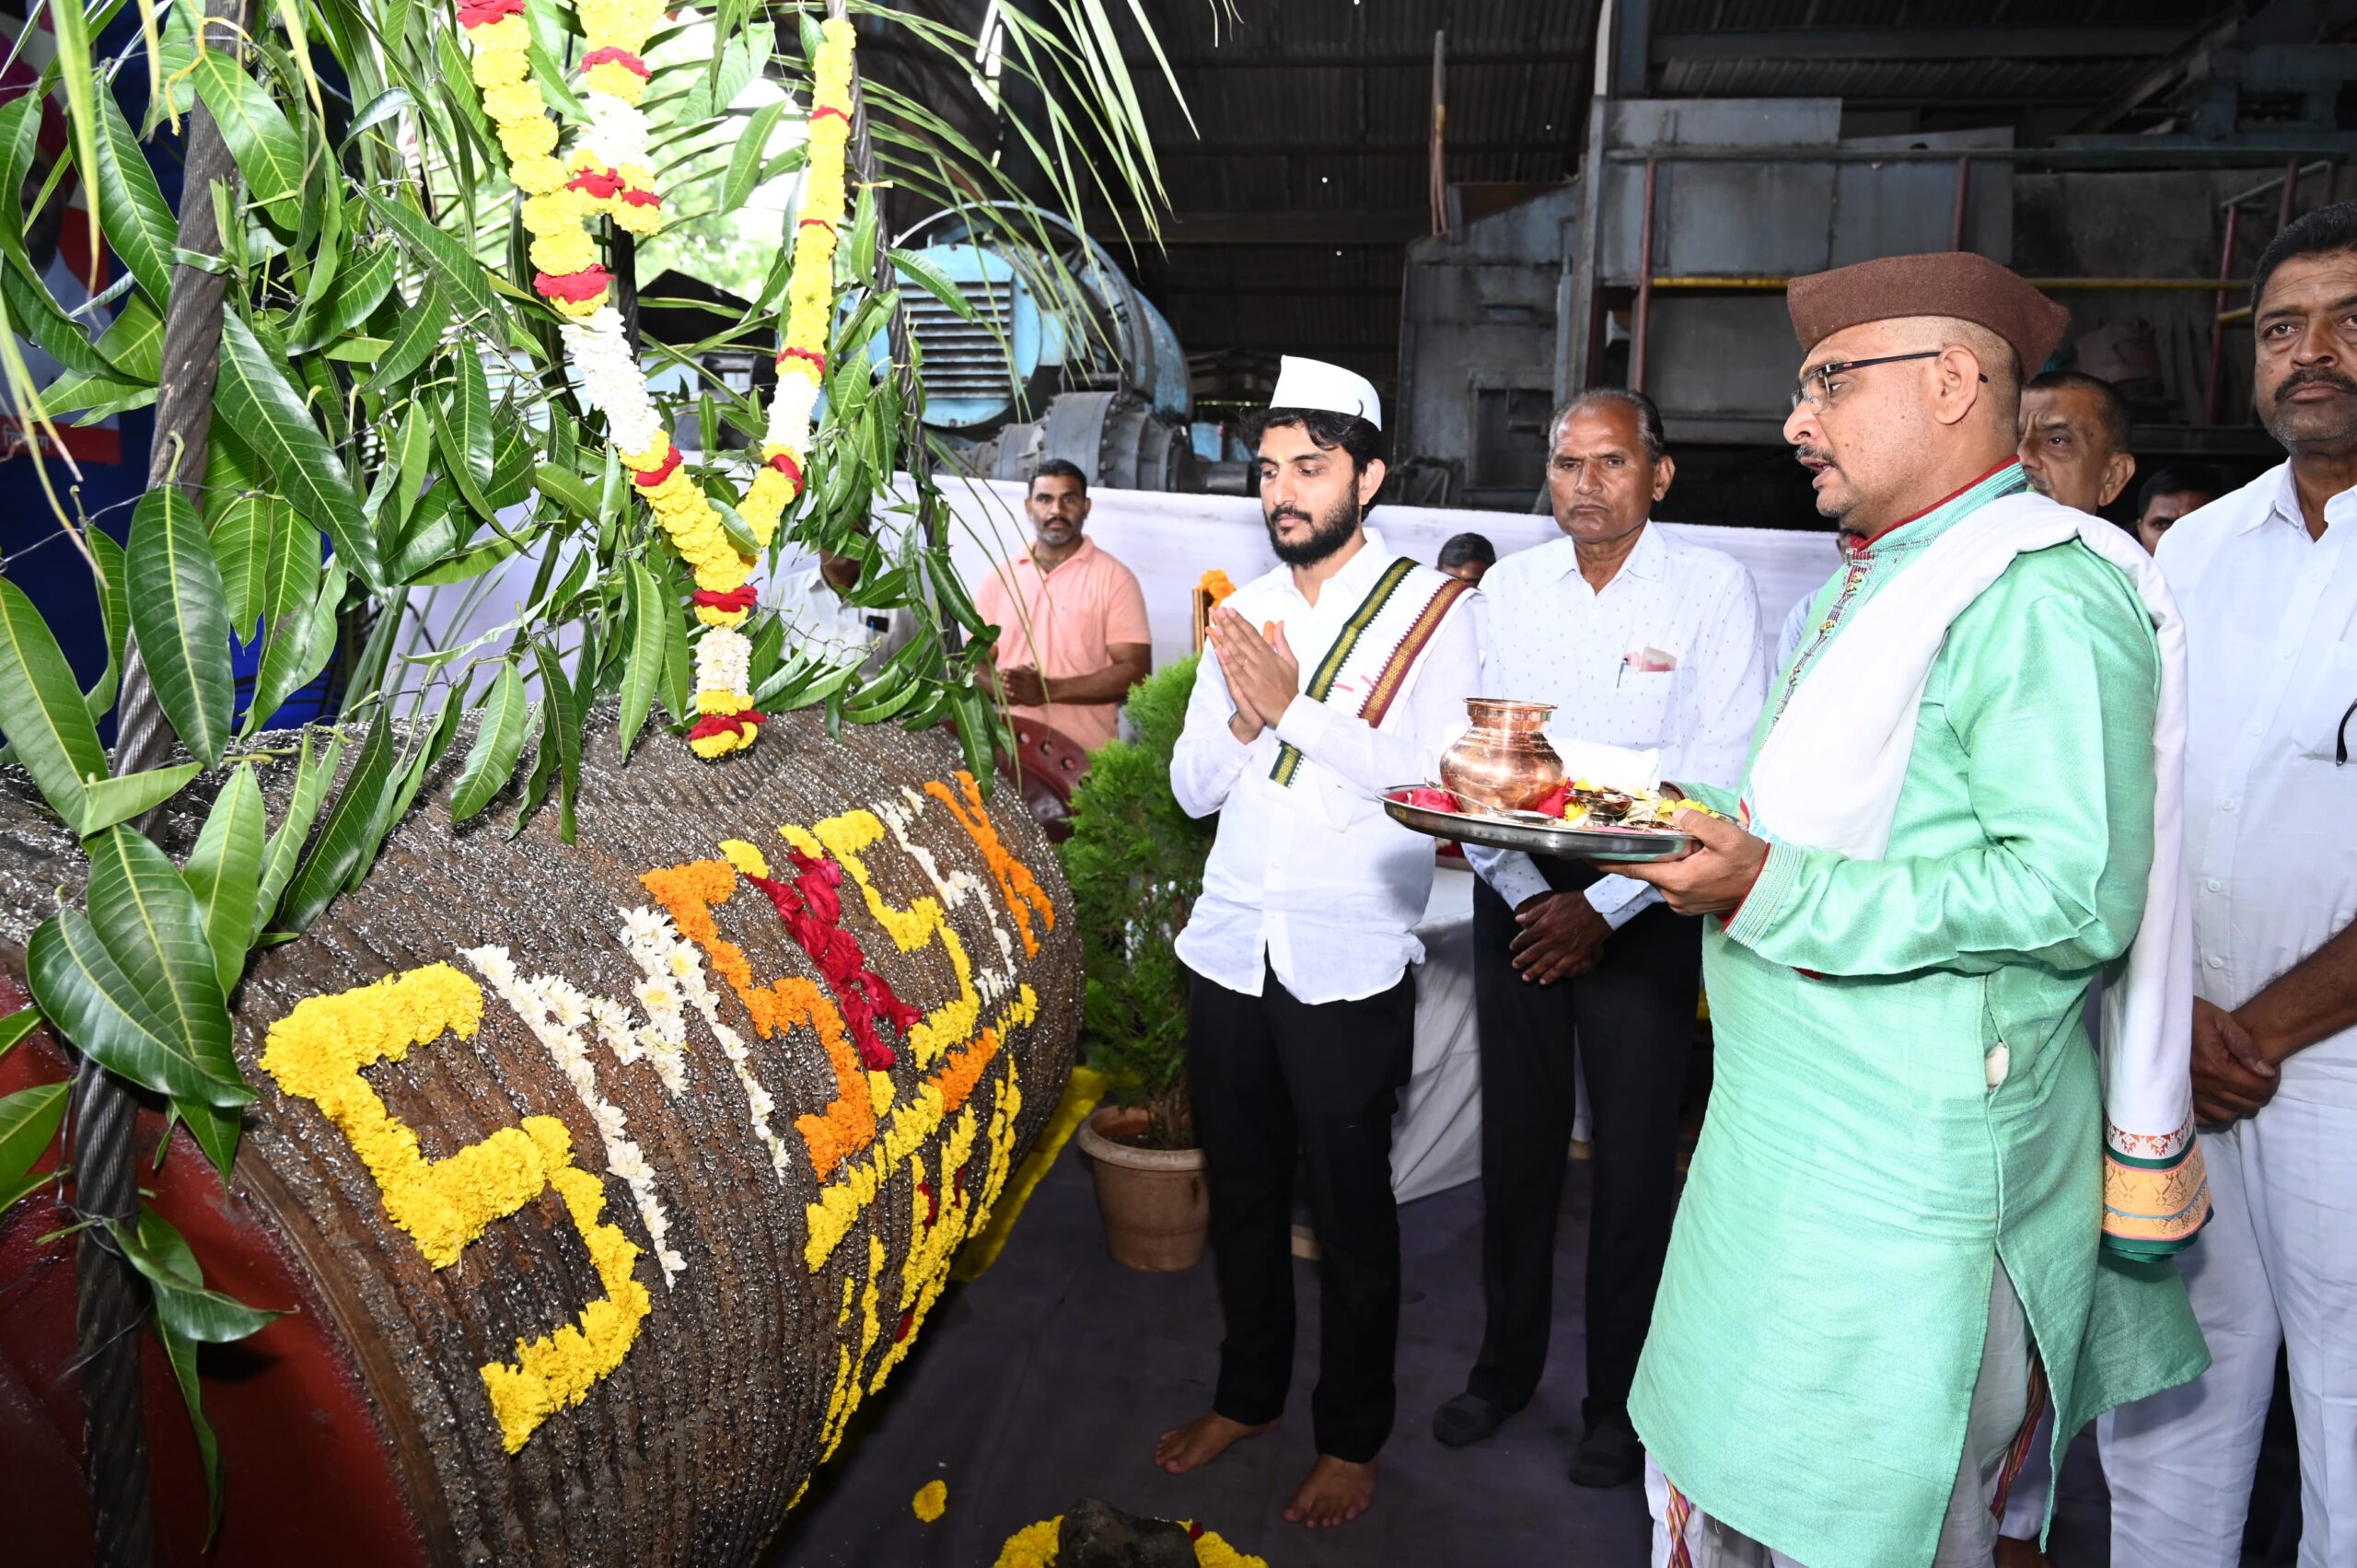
[
  {"x": 2268, "y": 579},
  {"x": 1907, "y": 1226}
]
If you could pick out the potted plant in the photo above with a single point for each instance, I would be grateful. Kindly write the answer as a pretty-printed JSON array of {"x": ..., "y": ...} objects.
[{"x": 1135, "y": 862}]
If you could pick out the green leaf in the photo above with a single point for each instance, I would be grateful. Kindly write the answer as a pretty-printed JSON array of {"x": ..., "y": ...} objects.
[
  {"x": 150, "y": 924},
  {"x": 135, "y": 343},
  {"x": 29, "y": 1121},
  {"x": 463, "y": 433},
  {"x": 419, "y": 335},
  {"x": 473, "y": 564},
  {"x": 42, "y": 710},
  {"x": 386, "y": 104},
  {"x": 114, "y": 614},
  {"x": 256, "y": 394},
  {"x": 71, "y": 25},
  {"x": 290, "y": 573},
  {"x": 243, "y": 541},
  {"x": 344, "y": 836},
  {"x": 285, "y": 851},
  {"x": 223, "y": 873},
  {"x": 95, "y": 395},
  {"x": 859, "y": 251},
  {"x": 678, "y": 669},
  {"x": 511, "y": 458},
  {"x": 438, "y": 742},
  {"x": 453, "y": 269},
  {"x": 139, "y": 224},
  {"x": 499, "y": 740},
  {"x": 355, "y": 295},
  {"x": 84, "y": 993},
  {"x": 181, "y": 616},
  {"x": 16, "y": 1026},
  {"x": 14, "y": 1192},
  {"x": 297, "y": 648},
  {"x": 568, "y": 489},
  {"x": 114, "y": 800},
  {"x": 267, "y": 151},
  {"x": 933, "y": 281},
  {"x": 745, "y": 159},
  {"x": 561, "y": 728},
  {"x": 643, "y": 667},
  {"x": 184, "y": 1308},
  {"x": 217, "y": 1131},
  {"x": 181, "y": 1351}
]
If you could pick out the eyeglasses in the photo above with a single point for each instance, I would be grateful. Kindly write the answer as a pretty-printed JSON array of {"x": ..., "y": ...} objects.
[
  {"x": 2341, "y": 741},
  {"x": 1817, "y": 382}
]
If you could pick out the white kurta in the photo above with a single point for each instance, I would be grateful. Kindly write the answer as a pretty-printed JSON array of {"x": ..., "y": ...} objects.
[{"x": 2271, "y": 851}]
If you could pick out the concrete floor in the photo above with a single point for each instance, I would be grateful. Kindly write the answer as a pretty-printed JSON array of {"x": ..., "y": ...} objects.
[{"x": 1048, "y": 1378}]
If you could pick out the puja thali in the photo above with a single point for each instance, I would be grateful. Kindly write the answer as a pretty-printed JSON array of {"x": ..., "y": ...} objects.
[{"x": 1427, "y": 810}]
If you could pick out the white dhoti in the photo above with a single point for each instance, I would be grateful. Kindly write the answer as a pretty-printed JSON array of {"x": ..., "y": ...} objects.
[{"x": 2276, "y": 1266}]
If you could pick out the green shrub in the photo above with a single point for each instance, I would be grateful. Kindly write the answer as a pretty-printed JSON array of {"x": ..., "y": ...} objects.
[{"x": 1135, "y": 862}]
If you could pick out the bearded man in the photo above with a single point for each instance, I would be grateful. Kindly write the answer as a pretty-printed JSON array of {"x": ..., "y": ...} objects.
[
  {"x": 1300, "y": 1007},
  {"x": 1922, "y": 1206}
]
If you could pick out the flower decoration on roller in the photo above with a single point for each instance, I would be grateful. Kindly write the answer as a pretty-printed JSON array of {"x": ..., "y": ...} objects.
[{"x": 608, "y": 175}]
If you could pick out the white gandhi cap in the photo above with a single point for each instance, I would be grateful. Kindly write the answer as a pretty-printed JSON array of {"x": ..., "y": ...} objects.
[{"x": 1314, "y": 384}]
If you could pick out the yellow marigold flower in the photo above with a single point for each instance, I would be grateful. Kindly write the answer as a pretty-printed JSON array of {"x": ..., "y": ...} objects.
[
  {"x": 932, "y": 1501},
  {"x": 638, "y": 218},
  {"x": 522, "y": 138},
  {"x": 537, "y": 175},
  {"x": 572, "y": 251},
  {"x": 581, "y": 309},
  {"x": 718, "y": 702},
  {"x": 616, "y": 80}
]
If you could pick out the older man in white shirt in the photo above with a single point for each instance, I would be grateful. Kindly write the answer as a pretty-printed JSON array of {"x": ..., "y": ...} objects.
[
  {"x": 1638, "y": 642},
  {"x": 2266, "y": 578},
  {"x": 815, "y": 610},
  {"x": 1325, "y": 682}
]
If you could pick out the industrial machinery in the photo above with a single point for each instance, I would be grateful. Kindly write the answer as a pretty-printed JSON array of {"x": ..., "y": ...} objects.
[{"x": 1064, "y": 359}]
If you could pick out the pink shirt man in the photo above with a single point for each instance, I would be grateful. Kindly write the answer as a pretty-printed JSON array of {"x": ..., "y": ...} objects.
[{"x": 1065, "y": 622}]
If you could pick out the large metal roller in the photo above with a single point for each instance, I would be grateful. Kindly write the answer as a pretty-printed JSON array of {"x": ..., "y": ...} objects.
[{"x": 590, "y": 1245}]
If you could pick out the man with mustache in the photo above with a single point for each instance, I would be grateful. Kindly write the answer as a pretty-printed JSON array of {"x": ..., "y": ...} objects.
[
  {"x": 2268, "y": 579},
  {"x": 1641, "y": 641},
  {"x": 1325, "y": 682},
  {"x": 1073, "y": 634},
  {"x": 2076, "y": 431},
  {"x": 1922, "y": 1206}
]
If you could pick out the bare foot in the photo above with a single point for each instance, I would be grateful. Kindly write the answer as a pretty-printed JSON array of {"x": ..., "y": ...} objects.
[
  {"x": 1336, "y": 1493},
  {"x": 2013, "y": 1553},
  {"x": 1201, "y": 1441}
]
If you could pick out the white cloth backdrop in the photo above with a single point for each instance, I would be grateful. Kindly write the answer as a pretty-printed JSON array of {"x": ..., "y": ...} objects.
[{"x": 1170, "y": 541}]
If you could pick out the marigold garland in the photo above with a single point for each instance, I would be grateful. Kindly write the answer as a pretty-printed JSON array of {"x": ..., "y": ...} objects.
[
  {"x": 557, "y": 1371},
  {"x": 607, "y": 174}
]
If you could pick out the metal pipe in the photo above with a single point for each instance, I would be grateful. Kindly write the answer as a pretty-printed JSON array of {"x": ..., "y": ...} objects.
[
  {"x": 1740, "y": 284},
  {"x": 2290, "y": 194},
  {"x": 1644, "y": 286},
  {"x": 2261, "y": 188},
  {"x": 1963, "y": 193},
  {"x": 2218, "y": 325}
]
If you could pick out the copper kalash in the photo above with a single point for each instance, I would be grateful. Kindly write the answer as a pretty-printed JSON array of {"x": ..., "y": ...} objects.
[{"x": 1503, "y": 761}]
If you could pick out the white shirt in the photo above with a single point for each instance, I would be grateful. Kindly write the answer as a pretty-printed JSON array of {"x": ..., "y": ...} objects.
[
  {"x": 1315, "y": 876},
  {"x": 1553, "y": 639},
  {"x": 2270, "y": 821},
  {"x": 817, "y": 620}
]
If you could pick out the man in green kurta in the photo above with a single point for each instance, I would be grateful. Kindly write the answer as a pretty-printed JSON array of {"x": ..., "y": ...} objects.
[{"x": 1892, "y": 1244}]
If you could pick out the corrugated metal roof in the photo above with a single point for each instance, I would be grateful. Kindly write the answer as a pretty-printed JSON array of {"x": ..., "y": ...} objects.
[{"x": 1312, "y": 111}]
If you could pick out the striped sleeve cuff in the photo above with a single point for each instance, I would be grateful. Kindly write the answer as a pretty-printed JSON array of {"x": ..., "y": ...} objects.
[{"x": 1750, "y": 920}]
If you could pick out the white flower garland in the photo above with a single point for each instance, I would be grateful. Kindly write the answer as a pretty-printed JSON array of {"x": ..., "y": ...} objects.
[
  {"x": 673, "y": 971},
  {"x": 991, "y": 985}
]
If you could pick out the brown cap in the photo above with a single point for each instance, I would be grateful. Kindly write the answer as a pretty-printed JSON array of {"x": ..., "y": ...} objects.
[{"x": 1947, "y": 282}]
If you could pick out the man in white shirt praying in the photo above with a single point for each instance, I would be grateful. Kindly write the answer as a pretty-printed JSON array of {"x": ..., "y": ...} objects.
[
  {"x": 2266, "y": 580},
  {"x": 1638, "y": 642},
  {"x": 1325, "y": 682}
]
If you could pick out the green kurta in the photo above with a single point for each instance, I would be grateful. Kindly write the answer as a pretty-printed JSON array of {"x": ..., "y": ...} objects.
[{"x": 1819, "y": 1326}]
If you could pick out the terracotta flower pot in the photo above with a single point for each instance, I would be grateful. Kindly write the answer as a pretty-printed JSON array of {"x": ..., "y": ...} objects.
[{"x": 1156, "y": 1207}]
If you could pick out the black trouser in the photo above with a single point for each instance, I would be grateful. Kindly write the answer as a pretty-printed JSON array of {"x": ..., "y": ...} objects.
[
  {"x": 1634, "y": 1016},
  {"x": 1279, "y": 1083}
]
